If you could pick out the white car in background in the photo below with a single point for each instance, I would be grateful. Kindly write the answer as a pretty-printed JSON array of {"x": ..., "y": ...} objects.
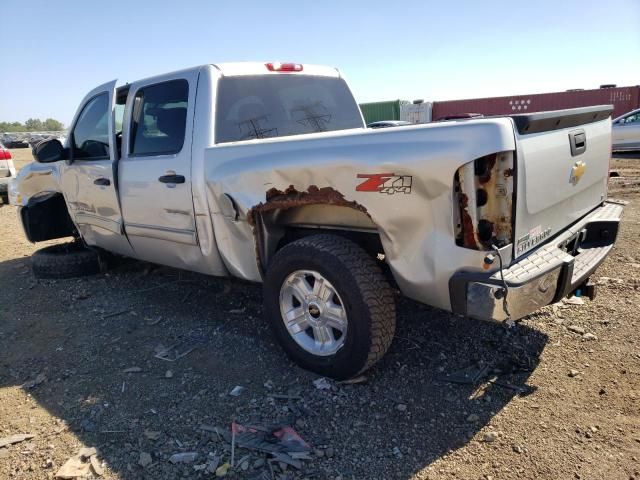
[
  {"x": 7, "y": 172},
  {"x": 626, "y": 131}
]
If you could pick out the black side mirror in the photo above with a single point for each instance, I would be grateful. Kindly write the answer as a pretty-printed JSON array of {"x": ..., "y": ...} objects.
[{"x": 49, "y": 151}]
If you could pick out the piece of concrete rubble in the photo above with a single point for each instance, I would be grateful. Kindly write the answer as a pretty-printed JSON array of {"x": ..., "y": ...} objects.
[
  {"x": 132, "y": 370},
  {"x": 237, "y": 391},
  {"x": 96, "y": 465},
  {"x": 79, "y": 465},
  {"x": 322, "y": 383},
  {"x": 184, "y": 457},
  {"x": 10, "y": 440},
  {"x": 574, "y": 301},
  {"x": 145, "y": 459},
  {"x": 576, "y": 329}
]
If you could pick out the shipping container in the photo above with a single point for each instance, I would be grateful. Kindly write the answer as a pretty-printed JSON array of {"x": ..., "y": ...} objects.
[
  {"x": 623, "y": 99},
  {"x": 377, "y": 111},
  {"x": 416, "y": 112}
]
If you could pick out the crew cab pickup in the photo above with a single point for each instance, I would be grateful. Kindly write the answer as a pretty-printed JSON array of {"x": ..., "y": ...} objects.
[{"x": 266, "y": 172}]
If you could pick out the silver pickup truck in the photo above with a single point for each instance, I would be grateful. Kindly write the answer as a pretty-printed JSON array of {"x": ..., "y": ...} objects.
[{"x": 266, "y": 172}]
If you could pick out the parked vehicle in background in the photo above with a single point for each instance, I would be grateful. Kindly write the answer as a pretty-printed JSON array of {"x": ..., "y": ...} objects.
[
  {"x": 7, "y": 172},
  {"x": 626, "y": 131},
  {"x": 388, "y": 123},
  {"x": 266, "y": 172},
  {"x": 14, "y": 141}
]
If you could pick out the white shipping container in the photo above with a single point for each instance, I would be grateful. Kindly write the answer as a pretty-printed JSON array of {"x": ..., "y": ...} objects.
[{"x": 416, "y": 112}]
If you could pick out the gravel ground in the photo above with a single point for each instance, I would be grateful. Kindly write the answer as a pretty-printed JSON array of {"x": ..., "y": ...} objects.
[{"x": 560, "y": 398}]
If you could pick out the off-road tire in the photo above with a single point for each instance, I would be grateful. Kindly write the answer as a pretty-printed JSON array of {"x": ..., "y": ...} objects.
[
  {"x": 368, "y": 299},
  {"x": 65, "y": 260}
]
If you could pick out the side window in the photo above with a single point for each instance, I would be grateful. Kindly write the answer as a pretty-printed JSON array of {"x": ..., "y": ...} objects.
[
  {"x": 159, "y": 118},
  {"x": 632, "y": 118},
  {"x": 91, "y": 132}
]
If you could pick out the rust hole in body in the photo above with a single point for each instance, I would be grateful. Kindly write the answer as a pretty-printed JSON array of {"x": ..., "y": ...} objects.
[{"x": 291, "y": 198}]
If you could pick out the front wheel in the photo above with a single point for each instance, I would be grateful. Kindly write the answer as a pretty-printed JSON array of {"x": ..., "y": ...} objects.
[{"x": 329, "y": 305}]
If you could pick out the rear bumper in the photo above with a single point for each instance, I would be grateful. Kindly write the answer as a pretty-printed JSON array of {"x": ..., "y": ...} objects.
[{"x": 543, "y": 276}]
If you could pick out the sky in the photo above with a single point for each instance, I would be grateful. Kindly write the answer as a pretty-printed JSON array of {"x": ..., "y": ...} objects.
[{"x": 56, "y": 51}]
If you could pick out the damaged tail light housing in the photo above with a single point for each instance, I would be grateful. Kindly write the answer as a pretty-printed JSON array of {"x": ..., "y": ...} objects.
[{"x": 483, "y": 202}]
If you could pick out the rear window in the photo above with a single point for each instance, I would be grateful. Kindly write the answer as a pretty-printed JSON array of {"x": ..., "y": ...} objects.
[{"x": 267, "y": 106}]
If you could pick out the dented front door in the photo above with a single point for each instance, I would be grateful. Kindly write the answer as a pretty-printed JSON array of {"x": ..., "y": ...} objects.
[{"x": 88, "y": 178}]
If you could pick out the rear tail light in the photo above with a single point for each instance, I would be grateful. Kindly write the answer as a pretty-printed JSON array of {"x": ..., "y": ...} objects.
[
  {"x": 5, "y": 154},
  {"x": 283, "y": 67}
]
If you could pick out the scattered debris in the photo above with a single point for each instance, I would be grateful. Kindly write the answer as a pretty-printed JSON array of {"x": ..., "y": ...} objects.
[
  {"x": 573, "y": 301},
  {"x": 589, "y": 336},
  {"x": 238, "y": 310},
  {"x": 115, "y": 314},
  {"x": 132, "y": 370},
  {"x": 152, "y": 435},
  {"x": 41, "y": 377},
  {"x": 237, "y": 391},
  {"x": 153, "y": 321},
  {"x": 145, "y": 459},
  {"x": 20, "y": 437},
  {"x": 223, "y": 469},
  {"x": 576, "y": 329},
  {"x": 322, "y": 383},
  {"x": 473, "y": 418},
  {"x": 178, "y": 350},
  {"x": 355, "y": 380},
  {"x": 517, "y": 448},
  {"x": 81, "y": 465},
  {"x": 573, "y": 373},
  {"x": 466, "y": 376},
  {"x": 490, "y": 437},
  {"x": 401, "y": 407},
  {"x": 168, "y": 374},
  {"x": 269, "y": 385},
  {"x": 184, "y": 457},
  {"x": 273, "y": 439}
]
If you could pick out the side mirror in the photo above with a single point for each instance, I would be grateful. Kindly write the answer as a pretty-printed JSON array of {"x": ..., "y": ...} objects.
[{"x": 49, "y": 151}]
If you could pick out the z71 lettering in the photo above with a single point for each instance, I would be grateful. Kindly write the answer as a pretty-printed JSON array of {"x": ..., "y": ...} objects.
[{"x": 388, "y": 183}]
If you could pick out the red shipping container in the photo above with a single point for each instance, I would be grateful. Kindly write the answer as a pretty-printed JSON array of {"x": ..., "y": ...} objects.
[{"x": 623, "y": 99}]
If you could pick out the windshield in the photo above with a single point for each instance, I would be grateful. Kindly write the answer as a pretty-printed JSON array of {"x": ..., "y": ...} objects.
[{"x": 267, "y": 106}]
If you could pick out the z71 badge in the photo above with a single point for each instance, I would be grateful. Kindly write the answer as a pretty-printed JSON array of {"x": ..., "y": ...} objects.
[{"x": 388, "y": 183}]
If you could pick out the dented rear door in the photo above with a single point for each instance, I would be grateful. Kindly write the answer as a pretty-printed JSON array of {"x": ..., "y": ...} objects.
[{"x": 562, "y": 170}]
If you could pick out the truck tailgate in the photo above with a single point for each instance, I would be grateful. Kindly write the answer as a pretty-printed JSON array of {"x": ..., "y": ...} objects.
[{"x": 562, "y": 164}]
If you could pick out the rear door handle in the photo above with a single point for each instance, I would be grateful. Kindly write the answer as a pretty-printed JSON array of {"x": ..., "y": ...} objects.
[
  {"x": 103, "y": 182},
  {"x": 171, "y": 178}
]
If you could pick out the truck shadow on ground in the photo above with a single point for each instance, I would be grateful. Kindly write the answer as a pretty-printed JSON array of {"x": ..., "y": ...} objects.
[{"x": 91, "y": 344}]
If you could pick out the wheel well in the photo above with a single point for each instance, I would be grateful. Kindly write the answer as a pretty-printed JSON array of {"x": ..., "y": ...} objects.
[
  {"x": 277, "y": 228},
  {"x": 46, "y": 217}
]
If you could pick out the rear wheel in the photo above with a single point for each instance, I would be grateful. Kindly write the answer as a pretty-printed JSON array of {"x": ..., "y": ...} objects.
[
  {"x": 329, "y": 305},
  {"x": 65, "y": 260}
]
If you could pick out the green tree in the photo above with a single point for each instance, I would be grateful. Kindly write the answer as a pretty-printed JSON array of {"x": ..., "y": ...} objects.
[
  {"x": 33, "y": 125},
  {"x": 51, "y": 124},
  {"x": 11, "y": 127}
]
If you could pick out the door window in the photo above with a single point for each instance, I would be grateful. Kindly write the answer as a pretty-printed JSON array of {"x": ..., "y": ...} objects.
[
  {"x": 632, "y": 118},
  {"x": 91, "y": 132},
  {"x": 159, "y": 118}
]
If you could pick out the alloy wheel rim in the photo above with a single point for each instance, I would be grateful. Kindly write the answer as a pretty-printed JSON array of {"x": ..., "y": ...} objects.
[{"x": 313, "y": 312}]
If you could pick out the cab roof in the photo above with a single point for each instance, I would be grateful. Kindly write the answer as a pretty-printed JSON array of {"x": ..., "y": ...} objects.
[{"x": 274, "y": 68}]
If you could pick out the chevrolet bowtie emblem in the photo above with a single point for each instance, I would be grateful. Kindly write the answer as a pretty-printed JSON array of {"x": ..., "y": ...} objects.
[{"x": 577, "y": 171}]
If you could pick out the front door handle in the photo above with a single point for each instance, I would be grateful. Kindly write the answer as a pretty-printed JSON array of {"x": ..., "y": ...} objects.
[
  {"x": 171, "y": 178},
  {"x": 103, "y": 182}
]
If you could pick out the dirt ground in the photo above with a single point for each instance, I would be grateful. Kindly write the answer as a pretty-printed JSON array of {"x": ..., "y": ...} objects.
[{"x": 560, "y": 398}]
